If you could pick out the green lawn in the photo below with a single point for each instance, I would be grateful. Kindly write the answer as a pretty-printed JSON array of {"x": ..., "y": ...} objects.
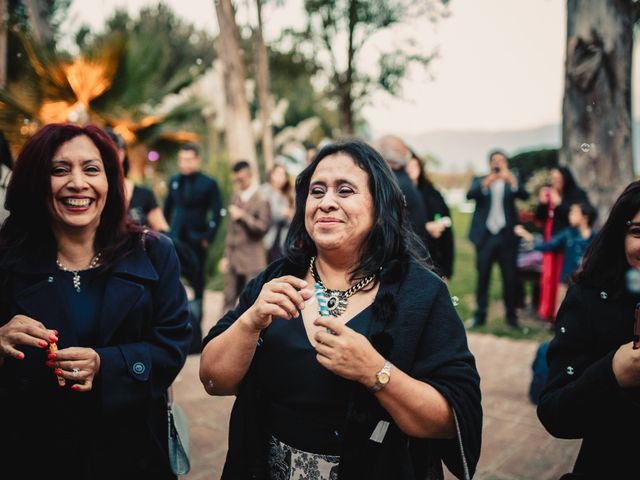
[{"x": 463, "y": 284}]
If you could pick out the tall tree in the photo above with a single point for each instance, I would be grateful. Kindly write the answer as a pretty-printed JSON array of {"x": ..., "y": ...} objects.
[
  {"x": 264, "y": 97},
  {"x": 596, "y": 111},
  {"x": 238, "y": 133},
  {"x": 339, "y": 30}
]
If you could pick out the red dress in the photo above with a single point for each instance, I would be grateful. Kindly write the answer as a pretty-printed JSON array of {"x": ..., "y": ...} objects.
[{"x": 550, "y": 275}]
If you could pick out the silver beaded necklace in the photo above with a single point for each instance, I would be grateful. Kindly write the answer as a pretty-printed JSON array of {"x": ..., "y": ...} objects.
[
  {"x": 337, "y": 299},
  {"x": 76, "y": 273}
]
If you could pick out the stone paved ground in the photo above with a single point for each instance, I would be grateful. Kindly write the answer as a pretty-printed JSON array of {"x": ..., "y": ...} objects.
[{"x": 515, "y": 446}]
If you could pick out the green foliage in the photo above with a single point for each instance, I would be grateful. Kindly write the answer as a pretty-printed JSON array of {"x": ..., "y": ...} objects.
[
  {"x": 155, "y": 63},
  {"x": 349, "y": 25},
  {"x": 527, "y": 163}
]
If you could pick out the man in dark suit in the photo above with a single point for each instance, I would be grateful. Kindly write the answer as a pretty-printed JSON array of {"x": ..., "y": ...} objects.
[
  {"x": 396, "y": 153},
  {"x": 192, "y": 209},
  {"x": 492, "y": 233}
]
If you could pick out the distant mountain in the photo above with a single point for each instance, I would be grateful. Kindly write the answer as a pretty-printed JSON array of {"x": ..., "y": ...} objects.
[{"x": 459, "y": 150}]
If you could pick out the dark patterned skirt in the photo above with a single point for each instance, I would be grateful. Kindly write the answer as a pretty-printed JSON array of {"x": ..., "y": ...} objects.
[{"x": 288, "y": 463}]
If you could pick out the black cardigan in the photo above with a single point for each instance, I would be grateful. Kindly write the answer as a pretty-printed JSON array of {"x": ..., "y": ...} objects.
[
  {"x": 582, "y": 398},
  {"x": 416, "y": 327}
]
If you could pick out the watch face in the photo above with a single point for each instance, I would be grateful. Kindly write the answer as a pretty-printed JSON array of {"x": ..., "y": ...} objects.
[{"x": 383, "y": 378}]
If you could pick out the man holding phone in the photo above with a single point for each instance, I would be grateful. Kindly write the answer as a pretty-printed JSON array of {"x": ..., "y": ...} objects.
[{"x": 492, "y": 233}]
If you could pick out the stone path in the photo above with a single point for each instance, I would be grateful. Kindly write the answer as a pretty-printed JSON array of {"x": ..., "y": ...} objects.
[{"x": 515, "y": 445}]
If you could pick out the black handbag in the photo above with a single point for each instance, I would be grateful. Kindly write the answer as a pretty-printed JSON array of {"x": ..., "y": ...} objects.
[{"x": 178, "y": 431}]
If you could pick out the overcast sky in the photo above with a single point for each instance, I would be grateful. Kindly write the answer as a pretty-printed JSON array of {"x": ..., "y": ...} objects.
[{"x": 500, "y": 64}]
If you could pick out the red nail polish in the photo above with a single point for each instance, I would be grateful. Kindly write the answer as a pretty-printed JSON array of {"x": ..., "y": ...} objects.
[
  {"x": 53, "y": 338},
  {"x": 49, "y": 364},
  {"x": 20, "y": 356},
  {"x": 42, "y": 343},
  {"x": 56, "y": 332},
  {"x": 57, "y": 371},
  {"x": 75, "y": 387},
  {"x": 51, "y": 356}
]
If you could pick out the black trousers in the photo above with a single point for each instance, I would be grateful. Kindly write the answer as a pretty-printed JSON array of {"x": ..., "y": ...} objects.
[
  {"x": 502, "y": 249},
  {"x": 196, "y": 279}
]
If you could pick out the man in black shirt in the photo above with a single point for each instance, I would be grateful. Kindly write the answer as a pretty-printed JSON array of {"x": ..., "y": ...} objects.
[{"x": 192, "y": 209}]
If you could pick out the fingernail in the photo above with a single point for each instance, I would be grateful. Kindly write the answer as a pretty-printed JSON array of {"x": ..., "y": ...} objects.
[
  {"x": 42, "y": 343},
  {"x": 49, "y": 363},
  {"x": 301, "y": 306},
  {"x": 51, "y": 356},
  {"x": 20, "y": 356},
  {"x": 75, "y": 386},
  {"x": 53, "y": 338},
  {"x": 55, "y": 332},
  {"x": 57, "y": 371}
]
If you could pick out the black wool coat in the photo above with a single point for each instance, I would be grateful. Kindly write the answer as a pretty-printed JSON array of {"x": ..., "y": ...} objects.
[
  {"x": 119, "y": 428},
  {"x": 582, "y": 398},
  {"x": 416, "y": 327}
]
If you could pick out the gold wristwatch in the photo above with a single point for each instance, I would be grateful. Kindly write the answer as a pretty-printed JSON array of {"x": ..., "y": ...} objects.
[{"x": 382, "y": 377}]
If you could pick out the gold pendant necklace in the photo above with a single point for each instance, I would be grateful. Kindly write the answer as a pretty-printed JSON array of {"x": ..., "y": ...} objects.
[
  {"x": 76, "y": 273},
  {"x": 337, "y": 299}
]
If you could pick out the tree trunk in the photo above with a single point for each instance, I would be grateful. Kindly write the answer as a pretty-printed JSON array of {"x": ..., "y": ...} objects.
[
  {"x": 264, "y": 99},
  {"x": 239, "y": 137},
  {"x": 39, "y": 22},
  {"x": 346, "y": 87},
  {"x": 596, "y": 112},
  {"x": 3, "y": 43}
]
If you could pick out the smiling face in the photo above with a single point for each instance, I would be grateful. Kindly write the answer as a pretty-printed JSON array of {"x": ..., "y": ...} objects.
[
  {"x": 79, "y": 185},
  {"x": 339, "y": 211}
]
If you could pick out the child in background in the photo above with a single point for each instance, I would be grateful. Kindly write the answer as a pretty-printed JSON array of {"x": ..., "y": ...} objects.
[{"x": 573, "y": 240}]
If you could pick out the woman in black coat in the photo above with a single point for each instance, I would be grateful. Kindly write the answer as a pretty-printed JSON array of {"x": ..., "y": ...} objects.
[
  {"x": 377, "y": 384},
  {"x": 593, "y": 387},
  {"x": 438, "y": 226},
  {"x": 93, "y": 318}
]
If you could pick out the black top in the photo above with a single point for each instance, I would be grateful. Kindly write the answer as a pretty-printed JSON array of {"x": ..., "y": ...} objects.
[
  {"x": 582, "y": 398},
  {"x": 415, "y": 208},
  {"x": 561, "y": 211},
  {"x": 192, "y": 207},
  {"x": 142, "y": 202},
  {"x": 415, "y": 326},
  {"x": 308, "y": 405},
  {"x": 84, "y": 306},
  {"x": 440, "y": 249}
]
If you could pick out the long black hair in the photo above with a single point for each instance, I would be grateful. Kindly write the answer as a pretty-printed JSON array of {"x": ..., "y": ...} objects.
[
  {"x": 391, "y": 237},
  {"x": 605, "y": 261}
]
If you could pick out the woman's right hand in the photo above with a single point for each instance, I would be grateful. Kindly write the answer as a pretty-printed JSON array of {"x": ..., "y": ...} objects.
[
  {"x": 280, "y": 297},
  {"x": 25, "y": 331},
  {"x": 626, "y": 366}
]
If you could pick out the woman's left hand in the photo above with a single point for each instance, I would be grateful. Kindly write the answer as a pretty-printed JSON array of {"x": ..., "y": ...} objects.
[
  {"x": 346, "y": 352},
  {"x": 77, "y": 364}
]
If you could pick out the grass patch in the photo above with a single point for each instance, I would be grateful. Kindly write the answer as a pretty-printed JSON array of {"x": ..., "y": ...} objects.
[{"x": 463, "y": 285}]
